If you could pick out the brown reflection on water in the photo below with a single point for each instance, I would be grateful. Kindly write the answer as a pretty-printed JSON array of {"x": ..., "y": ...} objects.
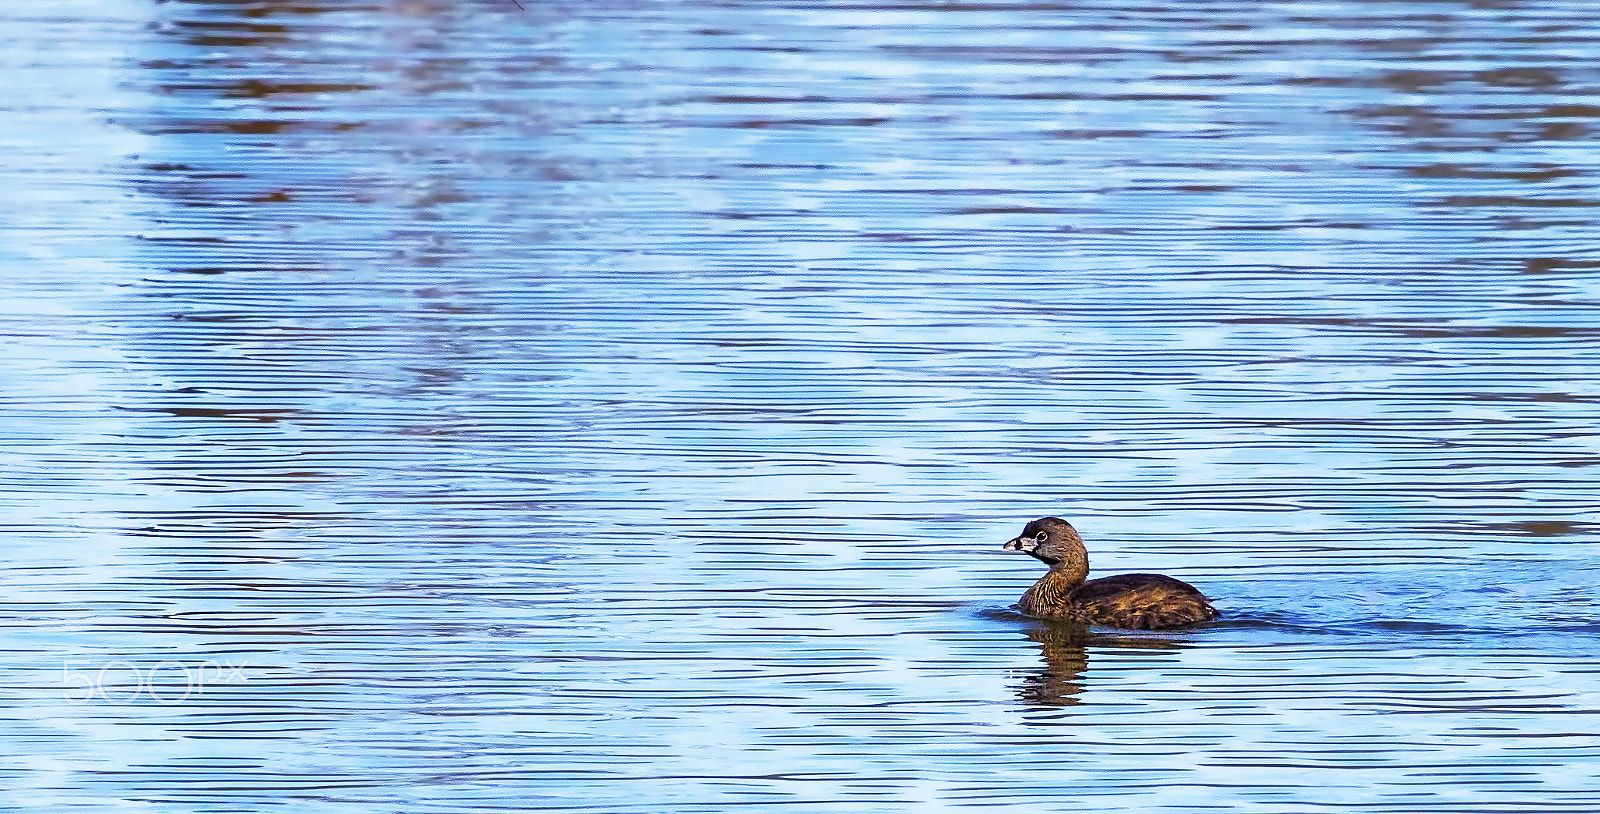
[{"x": 1062, "y": 645}]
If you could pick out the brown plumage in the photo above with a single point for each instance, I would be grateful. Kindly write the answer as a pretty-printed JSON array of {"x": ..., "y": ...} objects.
[{"x": 1132, "y": 601}]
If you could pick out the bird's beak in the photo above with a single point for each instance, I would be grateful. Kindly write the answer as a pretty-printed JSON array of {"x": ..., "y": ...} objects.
[{"x": 1023, "y": 544}]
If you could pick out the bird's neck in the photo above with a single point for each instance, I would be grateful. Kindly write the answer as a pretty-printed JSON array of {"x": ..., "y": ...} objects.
[
  {"x": 1050, "y": 594},
  {"x": 1067, "y": 575}
]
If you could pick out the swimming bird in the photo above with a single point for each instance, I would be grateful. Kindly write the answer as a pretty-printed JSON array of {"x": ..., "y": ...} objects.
[{"x": 1131, "y": 601}]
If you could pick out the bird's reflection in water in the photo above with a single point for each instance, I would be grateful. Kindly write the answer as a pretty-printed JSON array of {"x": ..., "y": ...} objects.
[{"x": 1065, "y": 648}]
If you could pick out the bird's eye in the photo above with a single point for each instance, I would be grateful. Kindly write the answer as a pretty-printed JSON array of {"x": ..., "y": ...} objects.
[{"x": 1040, "y": 537}]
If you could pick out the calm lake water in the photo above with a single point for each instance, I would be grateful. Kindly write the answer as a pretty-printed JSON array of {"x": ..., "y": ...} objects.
[{"x": 618, "y": 406}]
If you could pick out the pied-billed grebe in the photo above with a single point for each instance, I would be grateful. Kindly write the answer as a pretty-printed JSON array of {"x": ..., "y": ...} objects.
[{"x": 1132, "y": 601}]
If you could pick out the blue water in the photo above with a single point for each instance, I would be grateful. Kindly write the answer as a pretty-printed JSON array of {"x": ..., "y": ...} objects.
[{"x": 619, "y": 406}]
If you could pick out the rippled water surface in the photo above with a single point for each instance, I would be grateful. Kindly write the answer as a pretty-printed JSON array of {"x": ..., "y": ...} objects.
[{"x": 619, "y": 406}]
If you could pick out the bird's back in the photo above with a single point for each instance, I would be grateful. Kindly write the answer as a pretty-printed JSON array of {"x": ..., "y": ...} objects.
[{"x": 1141, "y": 602}]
